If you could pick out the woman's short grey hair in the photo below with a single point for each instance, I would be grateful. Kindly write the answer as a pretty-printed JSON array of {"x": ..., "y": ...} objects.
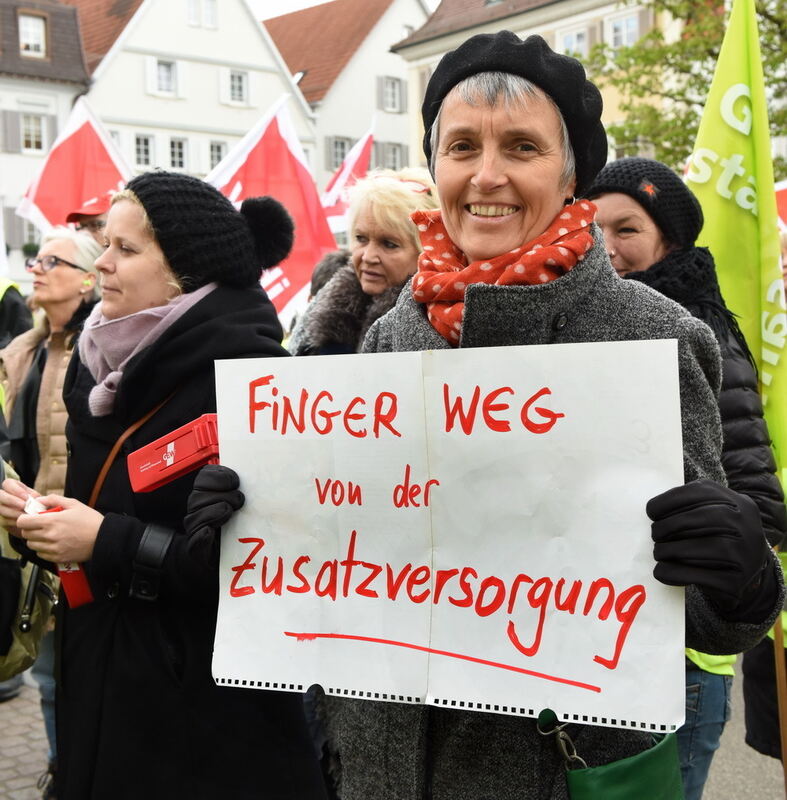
[
  {"x": 487, "y": 88},
  {"x": 86, "y": 248}
]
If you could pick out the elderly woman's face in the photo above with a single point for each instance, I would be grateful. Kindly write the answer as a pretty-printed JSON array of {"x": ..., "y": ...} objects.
[
  {"x": 498, "y": 171},
  {"x": 381, "y": 258},
  {"x": 133, "y": 270},
  {"x": 634, "y": 241},
  {"x": 63, "y": 284}
]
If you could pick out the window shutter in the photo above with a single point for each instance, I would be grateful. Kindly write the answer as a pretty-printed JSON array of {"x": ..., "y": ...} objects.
[
  {"x": 405, "y": 156},
  {"x": 380, "y": 92},
  {"x": 181, "y": 79},
  {"x": 644, "y": 22},
  {"x": 592, "y": 34},
  {"x": 374, "y": 161},
  {"x": 224, "y": 85},
  {"x": 12, "y": 134},
  {"x": 151, "y": 74},
  {"x": 50, "y": 128},
  {"x": 403, "y": 96},
  {"x": 423, "y": 79},
  {"x": 14, "y": 228},
  {"x": 249, "y": 79},
  {"x": 329, "y": 152}
]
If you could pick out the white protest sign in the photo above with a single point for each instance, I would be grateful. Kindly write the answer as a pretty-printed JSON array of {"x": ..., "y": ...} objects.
[{"x": 465, "y": 528}]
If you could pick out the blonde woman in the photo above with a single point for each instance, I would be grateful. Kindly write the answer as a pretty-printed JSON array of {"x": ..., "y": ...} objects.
[
  {"x": 139, "y": 714},
  {"x": 383, "y": 255}
]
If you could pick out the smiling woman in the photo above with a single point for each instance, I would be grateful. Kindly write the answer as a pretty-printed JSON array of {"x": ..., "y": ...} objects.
[{"x": 513, "y": 133}]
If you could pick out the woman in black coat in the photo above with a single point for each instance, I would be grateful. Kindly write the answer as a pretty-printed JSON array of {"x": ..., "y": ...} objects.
[
  {"x": 139, "y": 714},
  {"x": 650, "y": 221}
]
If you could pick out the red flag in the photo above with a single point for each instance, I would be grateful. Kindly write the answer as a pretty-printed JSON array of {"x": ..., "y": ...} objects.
[
  {"x": 354, "y": 166},
  {"x": 83, "y": 165},
  {"x": 781, "y": 203},
  {"x": 269, "y": 160}
]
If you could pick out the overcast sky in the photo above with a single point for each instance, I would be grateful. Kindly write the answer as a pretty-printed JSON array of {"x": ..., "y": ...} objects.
[{"x": 273, "y": 8}]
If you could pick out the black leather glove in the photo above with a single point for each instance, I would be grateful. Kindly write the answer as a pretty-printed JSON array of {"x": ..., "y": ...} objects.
[
  {"x": 710, "y": 536},
  {"x": 213, "y": 500}
]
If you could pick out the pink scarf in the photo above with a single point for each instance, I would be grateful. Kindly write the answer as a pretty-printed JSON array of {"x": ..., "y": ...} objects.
[{"x": 107, "y": 345}]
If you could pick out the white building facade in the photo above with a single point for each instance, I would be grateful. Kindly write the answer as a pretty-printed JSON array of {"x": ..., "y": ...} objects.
[
  {"x": 42, "y": 71},
  {"x": 186, "y": 79}
]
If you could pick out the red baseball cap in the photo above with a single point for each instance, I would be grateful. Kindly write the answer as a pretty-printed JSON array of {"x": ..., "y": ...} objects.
[{"x": 92, "y": 208}]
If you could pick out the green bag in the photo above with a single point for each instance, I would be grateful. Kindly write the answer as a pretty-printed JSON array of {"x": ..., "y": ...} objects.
[
  {"x": 653, "y": 773},
  {"x": 27, "y": 596}
]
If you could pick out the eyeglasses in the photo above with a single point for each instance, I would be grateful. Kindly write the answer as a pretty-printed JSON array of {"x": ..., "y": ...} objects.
[
  {"x": 49, "y": 262},
  {"x": 95, "y": 225}
]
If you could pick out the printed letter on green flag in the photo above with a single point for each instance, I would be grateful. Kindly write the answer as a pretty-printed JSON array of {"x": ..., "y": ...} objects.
[{"x": 731, "y": 173}]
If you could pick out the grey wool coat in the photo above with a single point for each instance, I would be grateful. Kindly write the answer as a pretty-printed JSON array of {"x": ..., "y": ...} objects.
[{"x": 407, "y": 752}]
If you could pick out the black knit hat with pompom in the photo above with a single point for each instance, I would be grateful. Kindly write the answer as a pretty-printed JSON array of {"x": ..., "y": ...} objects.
[
  {"x": 561, "y": 77},
  {"x": 204, "y": 238},
  {"x": 659, "y": 190}
]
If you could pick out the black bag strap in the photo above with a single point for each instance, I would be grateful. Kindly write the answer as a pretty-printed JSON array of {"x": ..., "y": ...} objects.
[{"x": 148, "y": 561}]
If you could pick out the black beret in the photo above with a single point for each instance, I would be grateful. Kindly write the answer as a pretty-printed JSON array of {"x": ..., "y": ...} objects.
[
  {"x": 560, "y": 77},
  {"x": 204, "y": 238},
  {"x": 659, "y": 191}
]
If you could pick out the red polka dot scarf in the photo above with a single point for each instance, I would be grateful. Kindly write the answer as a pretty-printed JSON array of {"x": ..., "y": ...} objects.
[{"x": 443, "y": 272}]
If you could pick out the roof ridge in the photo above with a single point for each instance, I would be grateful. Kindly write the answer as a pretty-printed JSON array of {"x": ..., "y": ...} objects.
[{"x": 319, "y": 41}]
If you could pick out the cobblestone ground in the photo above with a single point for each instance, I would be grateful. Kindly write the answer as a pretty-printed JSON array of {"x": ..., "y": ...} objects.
[
  {"x": 23, "y": 746},
  {"x": 737, "y": 771}
]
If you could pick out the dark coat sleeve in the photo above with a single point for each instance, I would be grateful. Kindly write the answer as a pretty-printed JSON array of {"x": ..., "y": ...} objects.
[
  {"x": 747, "y": 456},
  {"x": 15, "y": 316}
]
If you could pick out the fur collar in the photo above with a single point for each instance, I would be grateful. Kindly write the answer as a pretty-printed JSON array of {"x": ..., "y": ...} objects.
[{"x": 338, "y": 318}]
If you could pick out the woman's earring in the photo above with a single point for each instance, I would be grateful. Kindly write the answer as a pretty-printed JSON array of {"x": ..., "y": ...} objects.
[{"x": 569, "y": 201}]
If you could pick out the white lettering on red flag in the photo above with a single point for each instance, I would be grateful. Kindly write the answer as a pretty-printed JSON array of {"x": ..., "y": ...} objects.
[{"x": 269, "y": 160}]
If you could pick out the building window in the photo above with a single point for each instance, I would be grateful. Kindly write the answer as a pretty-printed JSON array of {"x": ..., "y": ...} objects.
[
  {"x": 202, "y": 13},
  {"x": 32, "y": 36},
  {"x": 574, "y": 42},
  {"x": 217, "y": 152},
  {"x": 210, "y": 16},
  {"x": 177, "y": 153},
  {"x": 393, "y": 156},
  {"x": 624, "y": 31},
  {"x": 392, "y": 94},
  {"x": 239, "y": 82},
  {"x": 339, "y": 148},
  {"x": 143, "y": 150},
  {"x": 32, "y": 133},
  {"x": 30, "y": 233},
  {"x": 166, "y": 79}
]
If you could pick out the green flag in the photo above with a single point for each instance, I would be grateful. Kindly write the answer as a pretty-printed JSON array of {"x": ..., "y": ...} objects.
[{"x": 731, "y": 173}]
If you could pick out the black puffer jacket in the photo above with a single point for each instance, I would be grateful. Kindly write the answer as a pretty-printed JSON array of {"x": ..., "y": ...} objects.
[
  {"x": 337, "y": 320},
  {"x": 688, "y": 277}
]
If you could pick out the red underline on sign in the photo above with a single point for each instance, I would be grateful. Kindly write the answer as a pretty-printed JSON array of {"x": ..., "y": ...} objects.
[{"x": 301, "y": 637}]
